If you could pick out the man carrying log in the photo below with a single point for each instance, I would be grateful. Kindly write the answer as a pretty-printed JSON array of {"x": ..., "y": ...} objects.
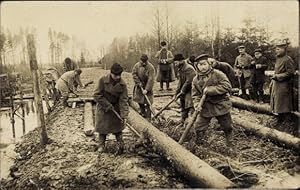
[
  {"x": 112, "y": 107},
  {"x": 165, "y": 71},
  {"x": 243, "y": 72},
  {"x": 186, "y": 73},
  {"x": 216, "y": 86},
  {"x": 281, "y": 87},
  {"x": 258, "y": 66},
  {"x": 66, "y": 84},
  {"x": 143, "y": 74}
]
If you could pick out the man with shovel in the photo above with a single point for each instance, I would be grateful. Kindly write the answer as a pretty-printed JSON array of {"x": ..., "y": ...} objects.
[
  {"x": 186, "y": 73},
  {"x": 143, "y": 74},
  {"x": 216, "y": 87},
  {"x": 112, "y": 107}
]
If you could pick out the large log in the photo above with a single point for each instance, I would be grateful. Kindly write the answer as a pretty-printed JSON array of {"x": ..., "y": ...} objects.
[
  {"x": 198, "y": 172},
  {"x": 273, "y": 134},
  {"x": 88, "y": 119},
  {"x": 252, "y": 106}
]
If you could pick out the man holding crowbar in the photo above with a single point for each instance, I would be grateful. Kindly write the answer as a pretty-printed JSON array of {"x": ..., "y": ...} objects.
[{"x": 210, "y": 93}]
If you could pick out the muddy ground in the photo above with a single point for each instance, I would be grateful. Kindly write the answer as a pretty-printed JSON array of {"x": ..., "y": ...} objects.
[{"x": 71, "y": 161}]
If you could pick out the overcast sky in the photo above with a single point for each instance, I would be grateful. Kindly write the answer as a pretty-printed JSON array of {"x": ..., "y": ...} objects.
[{"x": 99, "y": 22}]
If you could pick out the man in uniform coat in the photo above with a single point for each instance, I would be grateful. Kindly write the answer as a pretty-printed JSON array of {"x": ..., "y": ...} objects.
[
  {"x": 111, "y": 94},
  {"x": 143, "y": 74},
  {"x": 242, "y": 65},
  {"x": 217, "y": 87},
  {"x": 165, "y": 72},
  {"x": 186, "y": 73},
  {"x": 66, "y": 84},
  {"x": 258, "y": 66},
  {"x": 281, "y": 87}
]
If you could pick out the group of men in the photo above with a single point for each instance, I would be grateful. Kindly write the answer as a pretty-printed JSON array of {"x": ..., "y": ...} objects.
[{"x": 199, "y": 77}]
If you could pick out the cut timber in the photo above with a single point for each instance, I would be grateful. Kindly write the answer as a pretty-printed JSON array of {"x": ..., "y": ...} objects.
[
  {"x": 273, "y": 134},
  {"x": 252, "y": 106},
  {"x": 190, "y": 166},
  {"x": 88, "y": 119}
]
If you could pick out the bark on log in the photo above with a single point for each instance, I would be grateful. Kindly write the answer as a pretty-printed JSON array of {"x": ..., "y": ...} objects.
[
  {"x": 88, "y": 119},
  {"x": 273, "y": 134},
  {"x": 194, "y": 169}
]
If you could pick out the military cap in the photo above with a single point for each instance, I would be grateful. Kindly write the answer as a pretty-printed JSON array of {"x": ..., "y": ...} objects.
[
  {"x": 241, "y": 46},
  {"x": 202, "y": 57},
  {"x": 116, "y": 69},
  {"x": 258, "y": 50}
]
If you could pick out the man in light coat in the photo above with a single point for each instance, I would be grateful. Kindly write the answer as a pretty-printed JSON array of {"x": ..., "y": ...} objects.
[
  {"x": 143, "y": 74},
  {"x": 242, "y": 66},
  {"x": 66, "y": 84},
  {"x": 111, "y": 95},
  {"x": 281, "y": 86}
]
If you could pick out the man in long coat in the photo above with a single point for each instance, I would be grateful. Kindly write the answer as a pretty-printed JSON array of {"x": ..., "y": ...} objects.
[
  {"x": 186, "y": 73},
  {"x": 242, "y": 65},
  {"x": 111, "y": 94},
  {"x": 165, "y": 71},
  {"x": 66, "y": 84},
  {"x": 143, "y": 74},
  {"x": 217, "y": 87},
  {"x": 258, "y": 65},
  {"x": 282, "y": 83}
]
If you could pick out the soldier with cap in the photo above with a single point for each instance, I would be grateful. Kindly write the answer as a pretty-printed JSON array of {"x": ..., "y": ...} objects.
[
  {"x": 242, "y": 66},
  {"x": 165, "y": 72},
  {"x": 186, "y": 73},
  {"x": 258, "y": 65},
  {"x": 66, "y": 84},
  {"x": 143, "y": 74},
  {"x": 217, "y": 87},
  {"x": 111, "y": 96},
  {"x": 281, "y": 87}
]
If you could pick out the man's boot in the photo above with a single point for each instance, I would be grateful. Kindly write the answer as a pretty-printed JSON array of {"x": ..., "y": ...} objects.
[
  {"x": 101, "y": 147},
  {"x": 120, "y": 143}
]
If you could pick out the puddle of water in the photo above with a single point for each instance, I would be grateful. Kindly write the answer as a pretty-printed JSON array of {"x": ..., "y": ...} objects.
[{"x": 7, "y": 142}]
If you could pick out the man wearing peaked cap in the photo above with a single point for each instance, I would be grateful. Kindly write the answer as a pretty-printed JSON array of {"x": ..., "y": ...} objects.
[
  {"x": 143, "y": 74},
  {"x": 111, "y": 96},
  {"x": 243, "y": 72},
  {"x": 186, "y": 73}
]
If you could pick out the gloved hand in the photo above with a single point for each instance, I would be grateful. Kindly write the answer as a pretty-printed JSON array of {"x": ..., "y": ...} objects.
[
  {"x": 145, "y": 92},
  {"x": 124, "y": 121}
]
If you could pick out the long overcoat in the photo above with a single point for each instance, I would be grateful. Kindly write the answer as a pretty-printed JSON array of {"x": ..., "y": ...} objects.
[
  {"x": 258, "y": 74},
  {"x": 65, "y": 84},
  {"x": 143, "y": 75},
  {"x": 169, "y": 58},
  {"x": 185, "y": 74},
  {"x": 282, "y": 87},
  {"x": 109, "y": 93},
  {"x": 217, "y": 101}
]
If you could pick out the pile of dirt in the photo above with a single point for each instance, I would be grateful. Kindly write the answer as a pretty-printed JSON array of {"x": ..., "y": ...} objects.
[{"x": 70, "y": 161}]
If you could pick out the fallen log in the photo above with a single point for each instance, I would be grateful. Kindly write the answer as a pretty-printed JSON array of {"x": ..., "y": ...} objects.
[
  {"x": 198, "y": 172},
  {"x": 273, "y": 134},
  {"x": 88, "y": 119},
  {"x": 252, "y": 106}
]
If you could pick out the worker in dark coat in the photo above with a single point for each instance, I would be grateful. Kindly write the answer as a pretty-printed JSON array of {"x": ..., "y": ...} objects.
[
  {"x": 165, "y": 71},
  {"x": 242, "y": 66},
  {"x": 186, "y": 73},
  {"x": 143, "y": 73},
  {"x": 69, "y": 65},
  {"x": 191, "y": 60},
  {"x": 281, "y": 86},
  {"x": 258, "y": 66},
  {"x": 111, "y": 94},
  {"x": 217, "y": 87}
]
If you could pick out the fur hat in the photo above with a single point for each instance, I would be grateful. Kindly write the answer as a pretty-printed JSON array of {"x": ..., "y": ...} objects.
[{"x": 116, "y": 69}]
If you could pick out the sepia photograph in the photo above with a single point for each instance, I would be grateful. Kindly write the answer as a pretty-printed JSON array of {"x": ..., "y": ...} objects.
[{"x": 149, "y": 95}]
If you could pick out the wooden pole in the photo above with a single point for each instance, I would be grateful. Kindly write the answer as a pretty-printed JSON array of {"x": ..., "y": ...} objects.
[
  {"x": 44, "y": 91},
  {"x": 23, "y": 113},
  {"x": 12, "y": 116},
  {"x": 36, "y": 85},
  {"x": 198, "y": 172}
]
